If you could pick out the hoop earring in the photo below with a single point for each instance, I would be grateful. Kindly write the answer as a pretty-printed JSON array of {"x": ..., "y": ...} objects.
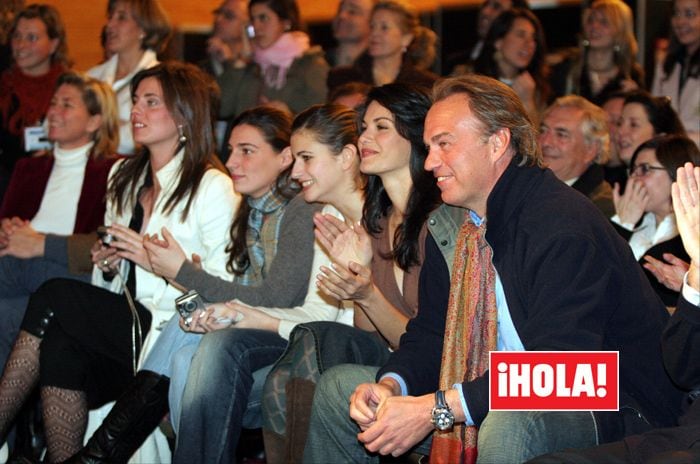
[{"x": 183, "y": 137}]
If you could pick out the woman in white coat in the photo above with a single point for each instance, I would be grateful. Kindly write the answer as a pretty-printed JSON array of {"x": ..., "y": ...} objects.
[{"x": 81, "y": 342}]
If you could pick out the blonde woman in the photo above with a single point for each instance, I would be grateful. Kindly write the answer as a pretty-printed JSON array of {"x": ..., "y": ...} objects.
[{"x": 605, "y": 61}]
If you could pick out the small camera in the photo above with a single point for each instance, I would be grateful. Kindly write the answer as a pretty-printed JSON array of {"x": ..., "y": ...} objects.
[
  {"x": 105, "y": 236},
  {"x": 188, "y": 303}
]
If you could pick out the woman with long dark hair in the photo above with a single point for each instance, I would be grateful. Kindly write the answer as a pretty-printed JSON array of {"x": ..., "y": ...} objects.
[
  {"x": 79, "y": 342},
  {"x": 514, "y": 53}
]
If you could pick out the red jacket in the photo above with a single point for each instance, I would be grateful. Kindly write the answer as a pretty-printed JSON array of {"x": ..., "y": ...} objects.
[{"x": 28, "y": 183}]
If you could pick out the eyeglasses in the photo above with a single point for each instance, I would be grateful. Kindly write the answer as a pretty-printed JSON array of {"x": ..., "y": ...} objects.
[
  {"x": 227, "y": 14},
  {"x": 643, "y": 169}
]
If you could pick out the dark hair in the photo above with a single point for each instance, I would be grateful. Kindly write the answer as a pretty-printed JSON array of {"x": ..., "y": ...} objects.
[
  {"x": 677, "y": 53},
  {"x": 275, "y": 126},
  {"x": 496, "y": 106},
  {"x": 151, "y": 17},
  {"x": 287, "y": 10},
  {"x": 659, "y": 111},
  {"x": 347, "y": 89},
  {"x": 54, "y": 28},
  {"x": 500, "y": 27},
  {"x": 332, "y": 125},
  {"x": 190, "y": 96},
  {"x": 672, "y": 151},
  {"x": 408, "y": 104}
]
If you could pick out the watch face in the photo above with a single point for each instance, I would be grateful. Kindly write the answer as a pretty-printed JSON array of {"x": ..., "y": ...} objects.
[{"x": 443, "y": 419}]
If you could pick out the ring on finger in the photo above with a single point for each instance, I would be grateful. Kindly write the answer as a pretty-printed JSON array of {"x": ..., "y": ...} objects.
[{"x": 105, "y": 263}]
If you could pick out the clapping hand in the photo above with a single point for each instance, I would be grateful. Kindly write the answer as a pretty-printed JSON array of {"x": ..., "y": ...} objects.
[
  {"x": 685, "y": 193},
  {"x": 165, "y": 255},
  {"x": 344, "y": 244}
]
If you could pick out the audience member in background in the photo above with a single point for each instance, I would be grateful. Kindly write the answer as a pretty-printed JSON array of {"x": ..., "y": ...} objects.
[
  {"x": 136, "y": 30},
  {"x": 378, "y": 270},
  {"x": 642, "y": 118},
  {"x": 8, "y": 10},
  {"x": 55, "y": 201},
  {"x": 615, "y": 169},
  {"x": 400, "y": 49},
  {"x": 352, "y": 94},
  {"x": 350, "y": 31},
  {"x": 644, "y": 213},
  {"x": 678, "y": 76},
  {"x": 488, "y": 11},
  {"x": 285, "y": 71},
  {"x": 79, "y": 342},
  {"x": 514, "y": 53},
  {"x": 228, "y": 43},
  {"x": 227, "y": 46},
  {"x": 575, "y": 141},
  {"x": 40, "y": 55},
  {"x": 680, "y": 345},
  {"x": 605, "y": 61}
]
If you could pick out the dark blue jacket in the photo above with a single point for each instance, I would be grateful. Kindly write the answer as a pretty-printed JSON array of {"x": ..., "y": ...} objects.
[{"x": 571, "y": 283}]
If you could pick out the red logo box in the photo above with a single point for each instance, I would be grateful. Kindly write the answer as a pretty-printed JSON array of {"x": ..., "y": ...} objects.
[{"x": 553, "y": 380}]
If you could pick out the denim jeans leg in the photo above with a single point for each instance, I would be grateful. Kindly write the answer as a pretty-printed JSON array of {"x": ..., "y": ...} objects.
[
  {"x": 332, "y": 433},
  {"x": 516, "y": 436},
  {"x": 171, "y": 340},
  {"x": 217, "y": 391}
]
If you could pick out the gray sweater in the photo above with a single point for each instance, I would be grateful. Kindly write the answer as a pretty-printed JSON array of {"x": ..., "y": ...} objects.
[{"x": 287, "y": 278}]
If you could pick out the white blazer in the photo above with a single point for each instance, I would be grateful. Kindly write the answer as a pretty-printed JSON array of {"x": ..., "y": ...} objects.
[{"x": 204, "y": 231}]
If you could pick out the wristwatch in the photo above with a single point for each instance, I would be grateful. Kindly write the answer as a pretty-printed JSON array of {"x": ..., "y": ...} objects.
[{"x": 442, "y": 417}]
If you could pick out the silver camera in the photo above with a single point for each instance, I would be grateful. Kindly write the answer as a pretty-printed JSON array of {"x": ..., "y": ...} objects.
[{"x": 188, "y": 303}]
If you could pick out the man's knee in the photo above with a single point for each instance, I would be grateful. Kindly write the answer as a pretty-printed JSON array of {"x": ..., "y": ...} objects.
[
  {"x": 339, "y": 382},
  {"x": 515, "y": 436}
]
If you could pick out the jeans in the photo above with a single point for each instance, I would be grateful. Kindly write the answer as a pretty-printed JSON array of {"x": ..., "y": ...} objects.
[
  {"x": 19, "y": 278},
  {"x": 504, "y": 436},
  {"x": 252, "y": 418},
  {"x": 218, "y": 391},
  {"x": 171, "y": 341}
]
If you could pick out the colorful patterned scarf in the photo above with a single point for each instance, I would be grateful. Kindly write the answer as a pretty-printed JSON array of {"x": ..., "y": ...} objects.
[{"x": 470, "y": 333}]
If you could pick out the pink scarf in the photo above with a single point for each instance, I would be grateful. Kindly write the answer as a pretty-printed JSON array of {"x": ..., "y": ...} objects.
[{"x": 275, "y": 60}]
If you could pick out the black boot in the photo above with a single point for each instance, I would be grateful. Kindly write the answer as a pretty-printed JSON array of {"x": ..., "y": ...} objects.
[{"x": 134, "y": 416}]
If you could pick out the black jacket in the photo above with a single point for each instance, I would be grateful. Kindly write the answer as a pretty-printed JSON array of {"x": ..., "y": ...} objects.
[{"x": 571, "y": 283}]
